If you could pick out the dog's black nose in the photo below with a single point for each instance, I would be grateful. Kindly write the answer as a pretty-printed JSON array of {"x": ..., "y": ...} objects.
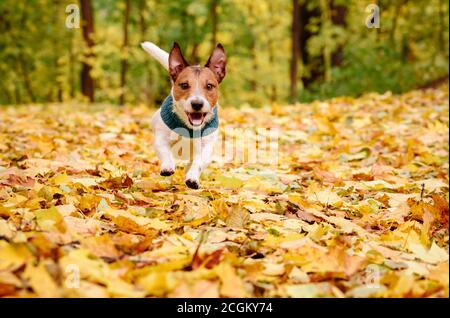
[{"x": 197, "y": 105}]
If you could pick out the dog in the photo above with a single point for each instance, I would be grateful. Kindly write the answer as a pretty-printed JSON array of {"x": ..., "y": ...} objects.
[{"x": 190, "y": 113}]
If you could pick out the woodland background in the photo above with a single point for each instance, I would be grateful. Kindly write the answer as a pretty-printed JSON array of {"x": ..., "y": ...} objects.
[{"x": 280, "y": 51}]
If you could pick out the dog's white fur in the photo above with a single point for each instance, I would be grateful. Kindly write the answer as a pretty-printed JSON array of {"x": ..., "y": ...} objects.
[
  {"x": 167, "y": 142},
  {"x": 160, "y": 55}
]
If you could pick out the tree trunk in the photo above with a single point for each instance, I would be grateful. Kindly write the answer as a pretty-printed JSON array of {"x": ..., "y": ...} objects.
[
  {"x": 57, "y": 84},
  {"x": 214, "y": 22},
  {"x": 72, "y": 76},
  {"x": 253, "y": 51},
  {"x": 123, "y": 72},
  {"x": 324, "y": 6},
  {"x": 270, "y": 44},
  {"x": 313, "y": 64},
  {"x": 23, "y": 65},
  {"x": 147, "y": 87},
  {"x": 87, "y": 15},
  {"x": 441, "y": 36},
  {"x": 26, "y": 78},
  {"x": 273, "y": 86},
  {"x": 397, "y": 11},
  {"x": 194, "y": 52},
  {"x": 9, "y": 99},
  {"x": 17, "y": 94},
  {"x": 295, "y": 54},
  {"x": 338, "y": 17}
]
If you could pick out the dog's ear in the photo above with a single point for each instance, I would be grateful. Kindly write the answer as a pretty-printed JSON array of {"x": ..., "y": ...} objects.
[
  {"x": 217, "y": 62},
  {"x": 176, "y": 61}
]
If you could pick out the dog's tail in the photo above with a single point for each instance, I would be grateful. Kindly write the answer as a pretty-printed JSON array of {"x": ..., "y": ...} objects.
[{"x": 160, "y": 55}]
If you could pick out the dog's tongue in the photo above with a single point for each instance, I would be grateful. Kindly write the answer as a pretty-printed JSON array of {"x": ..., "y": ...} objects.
[{"x": 196, "y": 119}]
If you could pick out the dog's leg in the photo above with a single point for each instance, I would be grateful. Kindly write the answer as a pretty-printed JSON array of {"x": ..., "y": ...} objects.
[
  {"x": 164, "y": 153},
  {"x": 202, "y": 158}
]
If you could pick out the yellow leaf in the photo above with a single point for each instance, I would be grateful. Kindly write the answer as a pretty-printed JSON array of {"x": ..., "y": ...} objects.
[
  {"x": 5, "y": 230},
  {"x": 13, "y": 256},
  {"x": 238, "y": 217},
  {"x": 433, "y": 255},
  {"x": 440, "y": 274},
  {"x": 302, "y": 291},
  {"x": 97, "y": 271},
  {"x": 41, "y": 281},
  {"x": 101, "y": 246},
  {"x": 122, "y": 216},
  {"x": 221, "y": 208},
  {"x": 255, "y": 205},
  {"x": 60, "y": 179},
  {"x": 229, "y": 182},
  {"x": 50, "y": 220},
  {"x": 273, "y": 269},
  {"x": 232, "y": 285},
  {"x": 155, "y": 283},
  {"x": 264, "y": 185}
]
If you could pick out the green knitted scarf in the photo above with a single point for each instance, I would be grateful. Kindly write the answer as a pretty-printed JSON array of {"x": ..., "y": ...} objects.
[{"x": 171, "y": 119}]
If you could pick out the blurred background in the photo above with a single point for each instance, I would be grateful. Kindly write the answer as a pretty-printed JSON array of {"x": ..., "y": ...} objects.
[{"x": 280, "y": 51}]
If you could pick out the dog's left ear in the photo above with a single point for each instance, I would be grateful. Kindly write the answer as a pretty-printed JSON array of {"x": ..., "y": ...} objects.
[{"x": 217, "y": 62}]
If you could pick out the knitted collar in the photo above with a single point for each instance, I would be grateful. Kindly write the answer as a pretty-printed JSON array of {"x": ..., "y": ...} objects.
[{"x": 171, "y": 119}]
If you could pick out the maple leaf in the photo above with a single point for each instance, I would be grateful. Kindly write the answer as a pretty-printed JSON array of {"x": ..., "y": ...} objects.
[
  {"x": 208, "y": 260},
  {"x": 117, "y": 183}
]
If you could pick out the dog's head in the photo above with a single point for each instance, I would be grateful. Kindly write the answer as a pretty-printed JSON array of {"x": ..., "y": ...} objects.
[{"x": 195, "y": 88}]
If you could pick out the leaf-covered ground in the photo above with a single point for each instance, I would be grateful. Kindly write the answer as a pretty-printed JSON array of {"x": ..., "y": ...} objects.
[{"x": 356, "y": 206}]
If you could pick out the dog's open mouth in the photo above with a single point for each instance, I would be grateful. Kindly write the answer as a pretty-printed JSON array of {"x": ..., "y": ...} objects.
[{"x": 196, "y": 118}]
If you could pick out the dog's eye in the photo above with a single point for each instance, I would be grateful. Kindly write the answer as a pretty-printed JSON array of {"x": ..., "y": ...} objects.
[
  {"x": 184, "y": 85},
  {"x": 209, "y": 86}
]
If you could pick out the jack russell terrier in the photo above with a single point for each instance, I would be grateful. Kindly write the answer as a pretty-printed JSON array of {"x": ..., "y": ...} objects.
[{"x": 189, "y": 113}]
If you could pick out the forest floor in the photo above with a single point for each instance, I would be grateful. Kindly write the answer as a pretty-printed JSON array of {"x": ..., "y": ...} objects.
[{"x": 352, "y": 203}]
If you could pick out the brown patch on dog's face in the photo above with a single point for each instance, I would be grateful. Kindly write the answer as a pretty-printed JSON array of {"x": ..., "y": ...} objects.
[{"x": 196, "y": 80}]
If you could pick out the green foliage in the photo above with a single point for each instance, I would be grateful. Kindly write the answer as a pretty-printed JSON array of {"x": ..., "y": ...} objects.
[
  {"x": 40, "y": 59},
  {"x": 409, "y": 50},
  {"x": 366, "y": 69}
]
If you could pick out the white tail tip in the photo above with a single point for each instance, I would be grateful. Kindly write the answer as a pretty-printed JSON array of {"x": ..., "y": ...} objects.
[{"x": 160, "y": 55}]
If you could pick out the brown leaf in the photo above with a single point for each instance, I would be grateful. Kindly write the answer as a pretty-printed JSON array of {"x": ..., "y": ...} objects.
[
  {"x": 117, "y": 183},
  {"x": 208, "y": 260},
  {"x": 15, "y": 180},
  {"x": 132, "y": 243},
  {"x": 303, "y": 215},
  {"x": 441, "y": 209},
  {"x": 6, "y": 289},
  {"x": 127, "y": 225},
  {"x": 362, "y": 177}
]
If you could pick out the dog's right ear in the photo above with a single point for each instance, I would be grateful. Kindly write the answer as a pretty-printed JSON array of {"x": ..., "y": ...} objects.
[{"x": 176, "y": 61}]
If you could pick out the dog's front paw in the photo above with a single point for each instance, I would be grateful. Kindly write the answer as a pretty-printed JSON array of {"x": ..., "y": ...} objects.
[
  {"x": 166, "y": 172},
  {"x": 193, "y": 184}
]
